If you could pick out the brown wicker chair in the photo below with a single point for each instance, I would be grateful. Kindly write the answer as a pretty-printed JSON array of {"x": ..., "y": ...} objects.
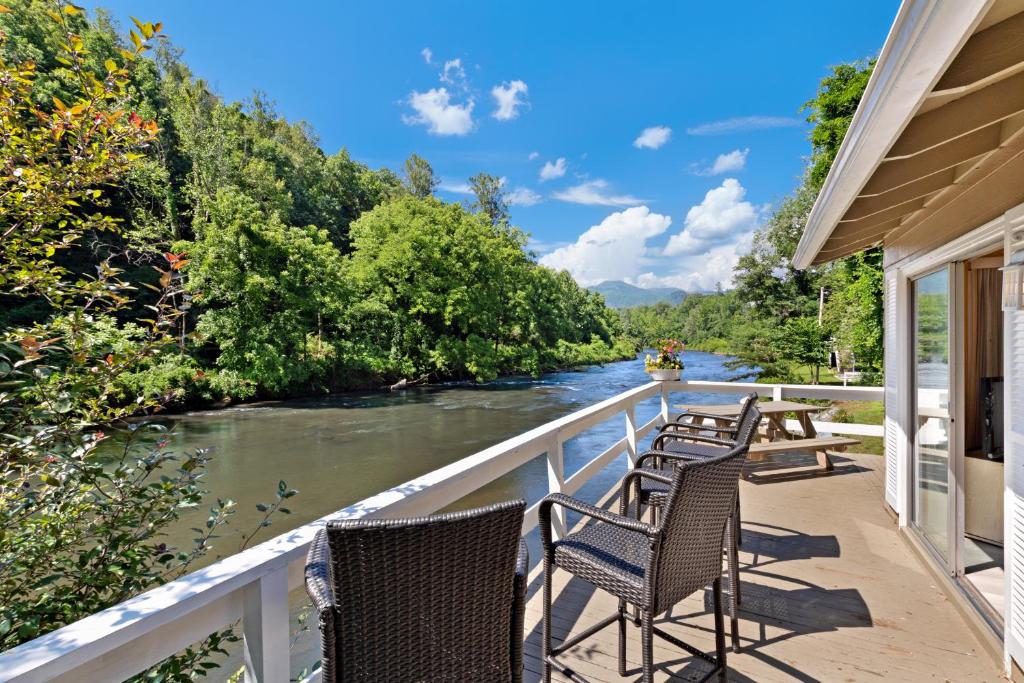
[
  {"x": 651, "y": 567},
  {"x": 438, "y": 598},
  {"x": 679, "y": 446}
]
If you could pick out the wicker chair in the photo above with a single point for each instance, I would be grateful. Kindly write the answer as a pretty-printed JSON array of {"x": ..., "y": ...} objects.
[
  {"x": 672, "y": 447},
  {"x": 651, "y": 567},
  {"x": 438, "y": 598}
]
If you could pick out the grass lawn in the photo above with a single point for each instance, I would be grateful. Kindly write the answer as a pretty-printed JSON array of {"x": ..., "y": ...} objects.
[{"x": 869, "y": 413}]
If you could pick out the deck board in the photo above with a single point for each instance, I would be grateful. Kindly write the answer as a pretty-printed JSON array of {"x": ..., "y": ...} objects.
[{"x": 830, "y": 593}]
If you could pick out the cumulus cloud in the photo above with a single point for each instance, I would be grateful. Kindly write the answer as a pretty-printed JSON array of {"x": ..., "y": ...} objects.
[
  {"x": 729, "y": 162},
  {"x": 550, "y": 171},
  {"x": 428, "y": 55},
  {"x": 436, "y": 110},
  {"x": 533, "y": 155},
  {"x": 615, "y": 249},
  {"x": 703, "y": 272},
  {"x": 453, "y": 73},
  {"x": 455, "y": 187},
  {"x": 509, "y": 98},
  {"x": 653, "y": 137},
  {"x": 742, "y": 123},
  {"x": 720, "y": 218},
  {"x": 594, "y": 193},
  {"x": 522, "y": 196}
]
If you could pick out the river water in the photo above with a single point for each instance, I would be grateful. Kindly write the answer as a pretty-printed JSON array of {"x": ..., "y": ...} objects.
[{"x": 341, "y": 449}]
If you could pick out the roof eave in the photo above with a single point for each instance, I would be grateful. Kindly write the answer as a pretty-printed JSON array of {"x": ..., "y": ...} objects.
[{"x": 925, "y": 37}]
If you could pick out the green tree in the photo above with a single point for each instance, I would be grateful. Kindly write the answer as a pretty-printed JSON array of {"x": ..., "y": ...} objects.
[
  {"x": 490, "y": 196},
  {"x": 271, "y": 292},
  {"x": 419, "y": 177}
]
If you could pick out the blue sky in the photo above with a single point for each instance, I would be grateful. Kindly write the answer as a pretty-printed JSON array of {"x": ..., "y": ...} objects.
[{"x": 509, "y": 88}]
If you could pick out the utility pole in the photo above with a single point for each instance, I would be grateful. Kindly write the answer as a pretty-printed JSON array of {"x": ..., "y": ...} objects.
[{"x": 821, "y": 305}]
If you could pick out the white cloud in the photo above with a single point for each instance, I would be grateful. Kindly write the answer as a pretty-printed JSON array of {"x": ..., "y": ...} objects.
[
  {"x": 428, "y": 55},
  {"x": 455, "y": 186},
  {"x": 615, "y": 249},
  {"x": 522, "y": 196},
  {"x": 653, "y": 137},
  {"x": 720, "y": 218},
  {"x": 533, "y": 155},
  {"x": 592, "y": 192},
  {"x": 541, "y": 247},
  {"x": 735, "y": 160},
  {"x": 507, "y": 97},
  {"x": 550, "y": 171},
  {"x": 702, "y": 272},
  {"x": 435, "y": 110},
  {"x": 453, "y": 73},
  {"x": 742, "y": 123}
]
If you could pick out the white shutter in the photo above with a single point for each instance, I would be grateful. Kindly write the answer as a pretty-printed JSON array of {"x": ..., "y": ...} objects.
[
  {"x": 892, "y": 406},
  {"x": 1013, "y": 502}
]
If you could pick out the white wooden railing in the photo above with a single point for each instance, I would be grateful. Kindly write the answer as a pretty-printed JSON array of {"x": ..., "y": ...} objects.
[{"x": 253, "y": 586}]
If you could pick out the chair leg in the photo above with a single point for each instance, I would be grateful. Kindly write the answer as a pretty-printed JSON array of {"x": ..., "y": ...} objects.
[
  {"x": 647, "y": 646},
  {"x": 622, "y": 637},
  {"x": 739, "y": 524},
  {"x": 546, "y": 630},
  {"x": 716, "y": 590},
  {"x": 734, "y": 591}
]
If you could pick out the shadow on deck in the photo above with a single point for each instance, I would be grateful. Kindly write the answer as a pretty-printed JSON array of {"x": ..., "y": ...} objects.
[{"x": 830, "y": 593}]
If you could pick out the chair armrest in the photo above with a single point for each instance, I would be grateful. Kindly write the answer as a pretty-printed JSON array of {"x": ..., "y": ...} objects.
[
  {"x": 654, "y": 455},
  {"x": 544, "y": 515},
  {"x": 519, "y": 611},
  {"x": 637, "y": 473},
  {"x": 318, "y": 586},
  {"x": 660, "y": 439}
]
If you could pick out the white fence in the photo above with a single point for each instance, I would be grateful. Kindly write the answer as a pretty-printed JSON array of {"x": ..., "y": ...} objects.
[{"x": 253, "y": 585}]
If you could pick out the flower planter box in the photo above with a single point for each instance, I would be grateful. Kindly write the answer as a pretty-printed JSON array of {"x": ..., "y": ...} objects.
[{"x": 665, "y": 375}]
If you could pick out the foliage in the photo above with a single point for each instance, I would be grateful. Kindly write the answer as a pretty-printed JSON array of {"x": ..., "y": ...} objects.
[
  {"x": 83, "y": 512},
  {"x": 831, "y": 112},
  {"x": 419, "y": 177},
  {"x": 490, "y": 198},
  {"x": 668, "y": 357}
]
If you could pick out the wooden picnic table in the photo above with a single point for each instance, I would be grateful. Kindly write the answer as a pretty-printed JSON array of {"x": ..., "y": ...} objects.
[
  {"x": 780, "y": 439},
  {"x": 774, "y": 413}
]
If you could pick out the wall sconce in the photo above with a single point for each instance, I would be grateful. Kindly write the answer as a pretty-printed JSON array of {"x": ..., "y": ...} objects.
[{"x": 1013, "y": 283}]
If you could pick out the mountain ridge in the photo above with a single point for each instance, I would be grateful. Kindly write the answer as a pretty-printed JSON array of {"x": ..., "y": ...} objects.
[{"x": 619, "y": 294}]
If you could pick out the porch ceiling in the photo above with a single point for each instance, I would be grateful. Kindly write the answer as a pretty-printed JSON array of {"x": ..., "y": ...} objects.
[{"x": 958, "y": 158}]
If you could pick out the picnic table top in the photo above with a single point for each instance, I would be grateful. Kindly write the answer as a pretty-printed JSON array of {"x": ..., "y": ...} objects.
[{"x": 765, "y": 407}]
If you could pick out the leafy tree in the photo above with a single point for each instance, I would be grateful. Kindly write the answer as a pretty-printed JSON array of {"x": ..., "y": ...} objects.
[
  {"x": 419, "y": 177},
  {"x": 82, "y": 512},
  {"x": 490, "y": 197},
  {"x": 831, "y": 112},
  {"x": 270, "y": 291}
]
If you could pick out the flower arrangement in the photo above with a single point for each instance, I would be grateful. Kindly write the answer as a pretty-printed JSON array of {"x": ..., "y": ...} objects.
[{"x": 669, "y": 356}]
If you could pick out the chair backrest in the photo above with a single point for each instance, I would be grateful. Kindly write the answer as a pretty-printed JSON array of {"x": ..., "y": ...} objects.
[
  {"x": 748, "y": 420},
  {"x": 426, "y": 599},
  {"x": 688, "y": 554}
]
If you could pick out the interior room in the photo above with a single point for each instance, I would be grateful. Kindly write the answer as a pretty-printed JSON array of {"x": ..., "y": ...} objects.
[{"x": 983, "y": 428}]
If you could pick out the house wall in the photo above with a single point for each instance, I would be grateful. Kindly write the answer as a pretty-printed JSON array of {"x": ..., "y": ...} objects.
[{"x": 950, "y": 244}]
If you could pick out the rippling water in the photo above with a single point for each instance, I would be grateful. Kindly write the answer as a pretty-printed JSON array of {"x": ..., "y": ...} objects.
[{"x": 340, "y": 449}]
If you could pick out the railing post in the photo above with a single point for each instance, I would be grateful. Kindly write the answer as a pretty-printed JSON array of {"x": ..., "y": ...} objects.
[
  {"x": 556, "y": 481},
  {"x": 664, "y": 403},
  {"x": 777, "y": 392},
  {"x": 265, "y": 628},
  {"x": 631, "y": 434}
]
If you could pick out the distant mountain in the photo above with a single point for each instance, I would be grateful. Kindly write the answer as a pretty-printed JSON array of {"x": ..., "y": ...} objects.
[{"x": 618, "y": 294}]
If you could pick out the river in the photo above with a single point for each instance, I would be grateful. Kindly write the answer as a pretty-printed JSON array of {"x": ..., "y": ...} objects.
[{"x": 340, "y": 449}]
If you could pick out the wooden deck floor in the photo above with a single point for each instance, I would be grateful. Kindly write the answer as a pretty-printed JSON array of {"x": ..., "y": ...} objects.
[{"x": 830, "y": 593}]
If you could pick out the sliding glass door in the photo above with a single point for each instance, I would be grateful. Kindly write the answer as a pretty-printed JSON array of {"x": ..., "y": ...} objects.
[{"x": 932, "y": 374}]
